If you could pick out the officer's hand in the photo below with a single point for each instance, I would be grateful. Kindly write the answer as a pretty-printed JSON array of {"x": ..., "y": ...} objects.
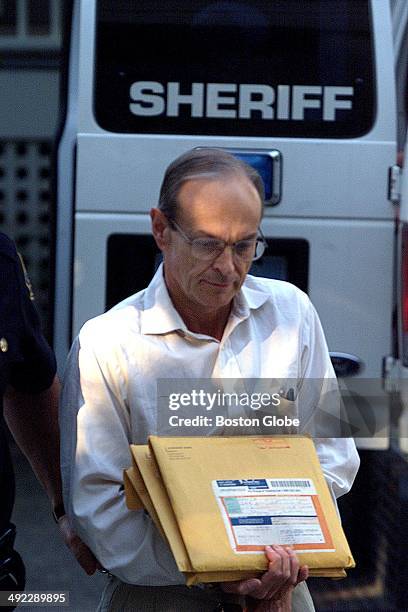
[
  {"x": 81, "y": 552},
  {"x": 276, "y": 583}
]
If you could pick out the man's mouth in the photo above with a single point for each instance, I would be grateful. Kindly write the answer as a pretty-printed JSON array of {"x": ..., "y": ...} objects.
[{"x": 223, "y": 285}]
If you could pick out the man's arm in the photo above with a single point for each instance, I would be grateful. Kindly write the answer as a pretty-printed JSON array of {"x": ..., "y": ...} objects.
[
  {"x": 320, "y": 409},
  {"x": 96, "y": 423},
  {"x": 33, "y": 421}
]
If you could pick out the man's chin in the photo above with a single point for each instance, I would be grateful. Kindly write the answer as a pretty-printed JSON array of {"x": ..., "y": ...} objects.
[{"x": 218, "y": 299}]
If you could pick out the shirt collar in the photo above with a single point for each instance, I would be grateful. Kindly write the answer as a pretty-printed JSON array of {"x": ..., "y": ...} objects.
[
  {"x": 159, "y": 315},
  {"x": 249, "y": 298}
]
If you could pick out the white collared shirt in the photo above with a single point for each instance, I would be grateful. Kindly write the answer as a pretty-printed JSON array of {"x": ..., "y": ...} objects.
[{"x": 109, "y": 400}]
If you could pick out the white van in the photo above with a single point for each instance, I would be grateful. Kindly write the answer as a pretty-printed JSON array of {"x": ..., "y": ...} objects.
[
  {"x": 303, "y": 90},
  {"x": 311, "y": 92}
]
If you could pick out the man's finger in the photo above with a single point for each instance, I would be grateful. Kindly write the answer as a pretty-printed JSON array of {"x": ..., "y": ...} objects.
[
  {"x": 277, "y": 574},
  {"x": 278, "y": 577},
  {"x": 285, "y": 567},
  {"x": 294, "y": 566},
  {"x": 303, "y": 574},
  {"x": 274, "y": 554}
]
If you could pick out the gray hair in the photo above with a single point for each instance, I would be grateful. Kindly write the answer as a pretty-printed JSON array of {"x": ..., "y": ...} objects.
[{"x": 203, "y": 163}]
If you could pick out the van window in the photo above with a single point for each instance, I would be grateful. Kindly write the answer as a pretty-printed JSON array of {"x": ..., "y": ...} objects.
[{"x": 235, "y": 68}]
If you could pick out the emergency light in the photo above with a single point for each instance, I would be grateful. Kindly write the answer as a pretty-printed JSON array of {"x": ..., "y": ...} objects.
[{"x": 268, "y": 165}]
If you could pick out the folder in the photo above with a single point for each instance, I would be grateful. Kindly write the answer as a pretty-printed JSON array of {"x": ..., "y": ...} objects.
[{"x": 218, "y": 501}]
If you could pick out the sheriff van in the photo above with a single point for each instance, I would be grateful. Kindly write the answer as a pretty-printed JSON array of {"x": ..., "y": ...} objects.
[{"x": 310, "y": 93}]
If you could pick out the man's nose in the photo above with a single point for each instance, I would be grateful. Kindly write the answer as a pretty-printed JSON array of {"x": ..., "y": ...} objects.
[{"x": 225, "y": 261}]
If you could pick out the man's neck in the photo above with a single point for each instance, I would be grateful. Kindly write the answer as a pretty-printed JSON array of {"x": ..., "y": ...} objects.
[
  {"x": 200, "y": 320},
  {"x": 208, "y": 323}
]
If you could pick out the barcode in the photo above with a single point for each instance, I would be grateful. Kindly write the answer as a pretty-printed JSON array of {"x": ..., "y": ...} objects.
[{"x": 290, "y": 483}]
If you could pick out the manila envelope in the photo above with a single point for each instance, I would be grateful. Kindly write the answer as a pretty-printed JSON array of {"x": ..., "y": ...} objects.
[
  {"x": 143, "y": 483},
  {"x": 231, "y": 496}
]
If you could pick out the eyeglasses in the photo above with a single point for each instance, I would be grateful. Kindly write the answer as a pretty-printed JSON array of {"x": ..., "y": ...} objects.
[{"x": 208, "y": 248}]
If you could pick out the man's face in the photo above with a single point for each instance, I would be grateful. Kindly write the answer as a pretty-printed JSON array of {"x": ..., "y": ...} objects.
[{"x": 228, "y": 208}]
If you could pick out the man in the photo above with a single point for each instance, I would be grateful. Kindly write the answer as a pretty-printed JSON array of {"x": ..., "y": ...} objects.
[
  {"x": 30, "y": 389},
  {"x": 200, "y": 317}
]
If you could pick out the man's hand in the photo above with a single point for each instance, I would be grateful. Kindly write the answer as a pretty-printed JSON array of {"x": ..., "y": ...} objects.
[
  {"x": 81, "y": 552},
  {"x": 276, "y": 584}
]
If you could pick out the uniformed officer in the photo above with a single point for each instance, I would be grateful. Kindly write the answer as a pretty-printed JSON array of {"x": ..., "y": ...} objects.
[{"x": 29, "y": 390}]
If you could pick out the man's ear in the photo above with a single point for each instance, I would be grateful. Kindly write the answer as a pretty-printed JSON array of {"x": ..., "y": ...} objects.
[{"x": 160, "y": 228}]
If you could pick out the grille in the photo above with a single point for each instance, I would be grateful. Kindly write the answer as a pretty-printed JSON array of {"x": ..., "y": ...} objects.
[{"x": 25, "y": 210}]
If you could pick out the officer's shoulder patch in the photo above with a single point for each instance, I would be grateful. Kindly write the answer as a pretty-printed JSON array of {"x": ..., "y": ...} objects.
[{"x": 26, "y": 277}]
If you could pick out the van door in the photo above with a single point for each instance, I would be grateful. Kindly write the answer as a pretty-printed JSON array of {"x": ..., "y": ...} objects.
[{"x": 399, "y": 371}]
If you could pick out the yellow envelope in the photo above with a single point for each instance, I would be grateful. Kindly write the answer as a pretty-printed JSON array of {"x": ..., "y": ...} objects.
[
  {"x": 146, "y": 479},
  {"x": 223, "y": 492},
  {"x": 133, "y": 500}
]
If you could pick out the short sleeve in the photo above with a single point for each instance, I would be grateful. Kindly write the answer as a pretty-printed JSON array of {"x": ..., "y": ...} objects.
[{"x": 31, "y": 362}]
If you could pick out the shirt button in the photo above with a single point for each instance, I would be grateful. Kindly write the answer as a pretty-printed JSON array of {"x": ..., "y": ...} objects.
[{"x": 3, "y": 345}]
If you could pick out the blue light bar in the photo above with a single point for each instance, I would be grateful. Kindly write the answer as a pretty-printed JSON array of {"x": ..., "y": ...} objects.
[{"x": 268, "y": 166}]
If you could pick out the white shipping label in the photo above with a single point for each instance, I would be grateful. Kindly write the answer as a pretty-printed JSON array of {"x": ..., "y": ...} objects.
[{"x": 263, "y": 511}]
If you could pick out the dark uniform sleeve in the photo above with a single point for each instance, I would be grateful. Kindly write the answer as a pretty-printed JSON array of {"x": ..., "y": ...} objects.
[{"x": 26, "y": 360}]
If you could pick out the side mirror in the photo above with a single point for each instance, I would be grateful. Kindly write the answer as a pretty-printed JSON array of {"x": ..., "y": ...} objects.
[{"x": 345, "y": 364}]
